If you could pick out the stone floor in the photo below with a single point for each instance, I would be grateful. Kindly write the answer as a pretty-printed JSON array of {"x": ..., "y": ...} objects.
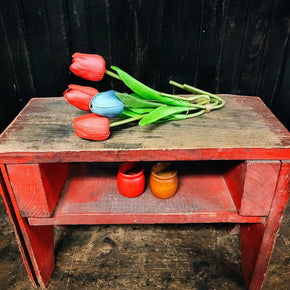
[{"x": 193, "y": 256}]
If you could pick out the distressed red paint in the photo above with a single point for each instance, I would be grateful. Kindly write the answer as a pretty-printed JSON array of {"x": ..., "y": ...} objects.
[{"x": 78, "y": 185}]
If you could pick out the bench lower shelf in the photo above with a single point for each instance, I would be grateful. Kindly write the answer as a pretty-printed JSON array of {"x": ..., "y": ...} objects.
[
  {"x": 161, "y": 218},
  {"x": 90, "y": 196}
]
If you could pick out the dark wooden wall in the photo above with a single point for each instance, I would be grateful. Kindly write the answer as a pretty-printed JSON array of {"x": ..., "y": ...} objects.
[{"x": 223, "y": 46}]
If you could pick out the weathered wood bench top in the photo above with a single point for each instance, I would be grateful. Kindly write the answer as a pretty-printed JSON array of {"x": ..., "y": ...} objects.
[{"x": 43, "y": 132}]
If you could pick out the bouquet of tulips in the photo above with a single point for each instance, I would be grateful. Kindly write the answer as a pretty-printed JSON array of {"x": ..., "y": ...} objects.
[{"x": 143, "y": 104}]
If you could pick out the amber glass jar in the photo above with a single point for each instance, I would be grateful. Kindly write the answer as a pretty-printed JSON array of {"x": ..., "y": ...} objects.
[
  {"x": 131, "y": 179},
  {"x": 163, "y": 180}
]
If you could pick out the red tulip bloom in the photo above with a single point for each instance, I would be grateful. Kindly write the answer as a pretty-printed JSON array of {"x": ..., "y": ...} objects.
[
  {"x": 92, "y": 126},
  {"x": 80, "y": 96},
  {"x": 88, "y": 66}
]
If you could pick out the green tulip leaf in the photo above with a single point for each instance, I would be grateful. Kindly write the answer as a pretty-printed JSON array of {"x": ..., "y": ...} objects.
[
  {"x": 141, "y": 111},
  {"x": 127, "y": 113},
  {"x": 160, "y": 113},
  {"x": 145, "y": 91},
  {"x": 135, "y": 101},
  {"x": 176, "y": 117}
]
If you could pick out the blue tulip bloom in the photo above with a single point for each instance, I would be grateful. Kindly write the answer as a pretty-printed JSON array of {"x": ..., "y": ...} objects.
[{"x": 106, "y": 104}]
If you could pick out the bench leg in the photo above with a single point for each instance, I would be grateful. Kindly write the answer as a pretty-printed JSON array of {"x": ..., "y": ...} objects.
[
  {"x": 257, "y": 240},
  {"x": 39, "y": 241},
  {"x": 36, "y": 243}
]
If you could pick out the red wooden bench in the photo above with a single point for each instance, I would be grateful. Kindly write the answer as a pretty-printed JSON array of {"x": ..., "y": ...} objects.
[{"x": 233, "y": 167}]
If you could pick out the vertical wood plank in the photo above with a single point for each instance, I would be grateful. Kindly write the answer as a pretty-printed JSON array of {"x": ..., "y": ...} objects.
[
  {"x": 168, "y": 43},
  {"x": 146, "y": 40},
  {"x": 99, "y": 27},
  {"x": 210, "y": 44},
  {"x": 281, "y": 102},
  {"x": 39, "y": 44},
  {"x": 274, "y": 54},
  {"x": 78, "y": 13},
  {"x": 258, "y": 18},
  {"x": 251, "y": 239},
  {"x": 40, "y": 244},
  {"x": 9, "y": 104},
  {"x": 79, "y": 29},
  {"x": 259, "y": 187},
  {"x": 188, "y": 36},
  {"x": 257, "y": 241},
  {"x": 58, "y": 29},
  {"x": 36, "y": 241},
  {"x": 234, "y": 174},
  {"x": 17, "y": 231},
  {"x": 40, "y": 186},
  {"x": 252, "y": 185},
  {"x": 100, "y": 34},
  {"x": 16, "y": 42},
  {"x": 123, "y": 34},
  {"x": 232, "y": 39}
]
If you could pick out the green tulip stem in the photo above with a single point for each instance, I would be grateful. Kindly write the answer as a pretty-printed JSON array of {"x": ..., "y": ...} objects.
[
  {"x": 179, "y": 97},
  {"x": 198, "y": 91},
  {"x": 110, "y": 73},
  {"x": 128, "y": 120},
  {"x": 195, "y": 114},
  {"x": 176, "y": 84}
]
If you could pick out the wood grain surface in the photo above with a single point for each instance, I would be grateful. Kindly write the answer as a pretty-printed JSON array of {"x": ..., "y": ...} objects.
[
  {"x": 247, "y": 179},
  {"x": 43, "y": 130},
  {"x": 40, "y": 188}
]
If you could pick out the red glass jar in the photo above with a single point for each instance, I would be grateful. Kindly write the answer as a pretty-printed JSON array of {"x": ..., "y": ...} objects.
[{"x": 131, "y": 179}]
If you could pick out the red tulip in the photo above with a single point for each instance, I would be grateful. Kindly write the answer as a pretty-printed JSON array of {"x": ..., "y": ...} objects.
[
  {"x": 80, "y": 96},
  {"x": 92, "y": 126},
  {"x": 88, "y": 66}
]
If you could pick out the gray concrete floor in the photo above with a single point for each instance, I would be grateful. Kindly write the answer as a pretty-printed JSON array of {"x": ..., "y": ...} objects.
[{"x": 192, "y": 256}]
